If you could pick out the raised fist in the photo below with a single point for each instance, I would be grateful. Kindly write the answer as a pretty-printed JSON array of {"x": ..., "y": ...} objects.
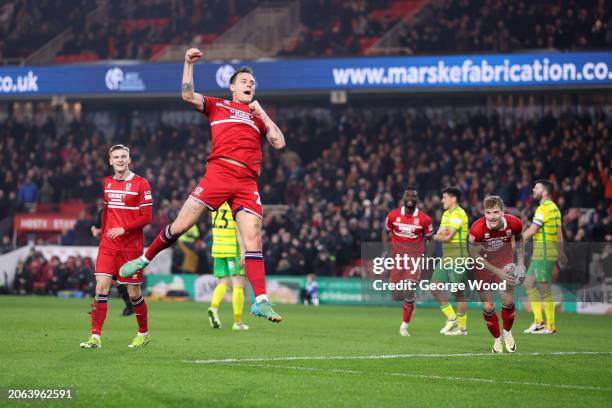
[{"x": 193, "y": 55}]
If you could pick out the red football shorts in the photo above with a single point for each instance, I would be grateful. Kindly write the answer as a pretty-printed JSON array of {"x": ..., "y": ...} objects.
[
  {"x": 229, "y": 182},
  {"x": 409, "y": 273},
  {"x": 109, "y": 261}
]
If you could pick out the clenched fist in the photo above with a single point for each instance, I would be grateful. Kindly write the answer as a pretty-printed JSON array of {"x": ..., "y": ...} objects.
[
  {"x": 193, "y": 55},
  {"x": 256, "y": 108}
]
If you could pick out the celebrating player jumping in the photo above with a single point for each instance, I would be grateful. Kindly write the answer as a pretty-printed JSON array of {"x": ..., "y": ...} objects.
[
  {"x": 231, "y": 174},
  {"x": 127, "y": 210},
  {"x": 492, "y": 239}
]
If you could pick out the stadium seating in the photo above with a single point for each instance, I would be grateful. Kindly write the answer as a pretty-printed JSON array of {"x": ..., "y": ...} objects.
[{"x": 337, "y": 184}]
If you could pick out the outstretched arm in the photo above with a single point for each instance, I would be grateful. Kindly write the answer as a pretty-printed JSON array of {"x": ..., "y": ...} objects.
[
  {"x": 274, "y": 135},
  {"x": 194, "y": 99}
]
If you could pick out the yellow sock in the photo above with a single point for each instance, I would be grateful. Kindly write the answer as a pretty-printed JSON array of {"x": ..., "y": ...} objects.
[
  {"x": 448, "y": 311},
  {"x": 462, "y": 320},
  {"x": 237, "y": 303},
  {"x": 549, "y": 310},
  {"x": 218, "y": 295},
  {"x": 536, "y": 306}
]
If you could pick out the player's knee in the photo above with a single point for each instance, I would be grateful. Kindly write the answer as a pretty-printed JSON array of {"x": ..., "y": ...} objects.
[
  {"x": 134, "y": 291},
  {"x": 488, "y": 307},
  {"x": 398, "y": 296},
  {"x": 102, "y": 287},
  {"x": 252, "y": 241}
]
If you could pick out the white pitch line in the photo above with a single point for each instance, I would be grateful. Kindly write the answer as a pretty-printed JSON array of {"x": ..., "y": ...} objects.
[
  {"x": 390, "y": 356},
  {"x": 431, "y": 377}
]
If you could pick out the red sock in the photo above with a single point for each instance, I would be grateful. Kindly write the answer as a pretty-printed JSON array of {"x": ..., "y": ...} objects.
[
  {"x": 407, "y": 309},
  {"x": 508, "y": 313},
  {"x": 140, "y": 311},
  {"x": 492, "y": 323},
  {"x": 255, "y": 272},
  {"x": 98, "y": 313},
  {"x": 162, "y": 241}
]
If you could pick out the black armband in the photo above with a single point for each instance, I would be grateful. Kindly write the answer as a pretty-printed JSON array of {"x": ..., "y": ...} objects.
[{"x": 98, "y": 220}]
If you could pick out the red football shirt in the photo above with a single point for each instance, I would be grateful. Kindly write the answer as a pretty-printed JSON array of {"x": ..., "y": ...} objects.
[
  {"x": 496, "y": 245},
  {"x": 236, "y": 132},
  {"x": 408, "y": 230},
  {"x": 123, "y": 200}
]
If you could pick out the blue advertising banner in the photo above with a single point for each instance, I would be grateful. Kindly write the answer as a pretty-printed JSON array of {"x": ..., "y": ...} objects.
[{"x": 542, "y": 70}]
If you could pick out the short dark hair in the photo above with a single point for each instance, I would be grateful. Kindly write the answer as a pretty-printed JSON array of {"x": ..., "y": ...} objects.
[
  {"x": 241, "y": 70},
  {"x": 453, "y": 191},
  {"x": 547, "y": 184},
  {"x": 411, "y": 188}
]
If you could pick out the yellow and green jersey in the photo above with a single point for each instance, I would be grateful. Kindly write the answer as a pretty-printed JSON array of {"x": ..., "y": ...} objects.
[
  {"x": 548, "y": 218},
  {"x": 225, "y": 243},
  {"x": 458, "y": 220}
]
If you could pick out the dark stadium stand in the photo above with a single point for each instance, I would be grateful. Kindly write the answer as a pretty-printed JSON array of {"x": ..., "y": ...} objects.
[
  {"x": 454, "y": 26},
  {"x": 127, "y": 31},
  {"x": 344, "y": 169}
]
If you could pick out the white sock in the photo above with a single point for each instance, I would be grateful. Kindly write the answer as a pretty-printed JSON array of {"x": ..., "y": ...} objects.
[
  {"x": 96, "y": 336},
  {"x": 145, "y": 259},
  {"x": 261, "y": 298},
  {"x": 143, "y": 334},
  {"x": 404, "y": 325}
]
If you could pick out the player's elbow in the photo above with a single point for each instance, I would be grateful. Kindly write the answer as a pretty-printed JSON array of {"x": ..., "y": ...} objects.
[
  {"x": 188, "y": 97},
  {"x": 279, "y": 144}
]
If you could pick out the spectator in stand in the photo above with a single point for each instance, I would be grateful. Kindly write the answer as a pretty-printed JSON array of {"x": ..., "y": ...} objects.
[{"x": 345, "y": 167}]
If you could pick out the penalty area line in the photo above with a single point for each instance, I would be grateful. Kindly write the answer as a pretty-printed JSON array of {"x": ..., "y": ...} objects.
[
  {"x": 392, "y": 356},
  {"x": 428, "y": 377}
]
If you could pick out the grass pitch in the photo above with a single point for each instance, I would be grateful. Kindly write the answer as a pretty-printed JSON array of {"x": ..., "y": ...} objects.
[{"x": 325, "y": 356}]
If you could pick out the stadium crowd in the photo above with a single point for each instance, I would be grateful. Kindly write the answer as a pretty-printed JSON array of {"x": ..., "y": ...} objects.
[
  {"x": 501, "y": 26},
  {"x": 344, "y": 169},
  {"x": 27, "y": 25},
  {"x": 137, "y": 30},
  {"x": 342, "y": 29},
  {"x": 146, "y": 27},
  {"x": 39, "y": 275}
]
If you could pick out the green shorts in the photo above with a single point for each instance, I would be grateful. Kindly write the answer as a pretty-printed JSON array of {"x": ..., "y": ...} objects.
[
  {"x": 542, "y": 270},
  {"x": 223, "y": 267},
  {"x": 447, "y": 275}
]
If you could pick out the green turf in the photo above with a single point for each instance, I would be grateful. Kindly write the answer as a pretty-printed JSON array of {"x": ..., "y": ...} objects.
[{"x": 39, "y": 348}]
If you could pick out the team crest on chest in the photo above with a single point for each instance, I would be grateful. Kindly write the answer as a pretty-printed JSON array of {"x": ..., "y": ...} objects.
[
  {"x": 109, "y": 185},
  {"x": 508, "y": 232},
  {"x": 416, "y": 221},
  {"x": 128, "y": 186}
]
